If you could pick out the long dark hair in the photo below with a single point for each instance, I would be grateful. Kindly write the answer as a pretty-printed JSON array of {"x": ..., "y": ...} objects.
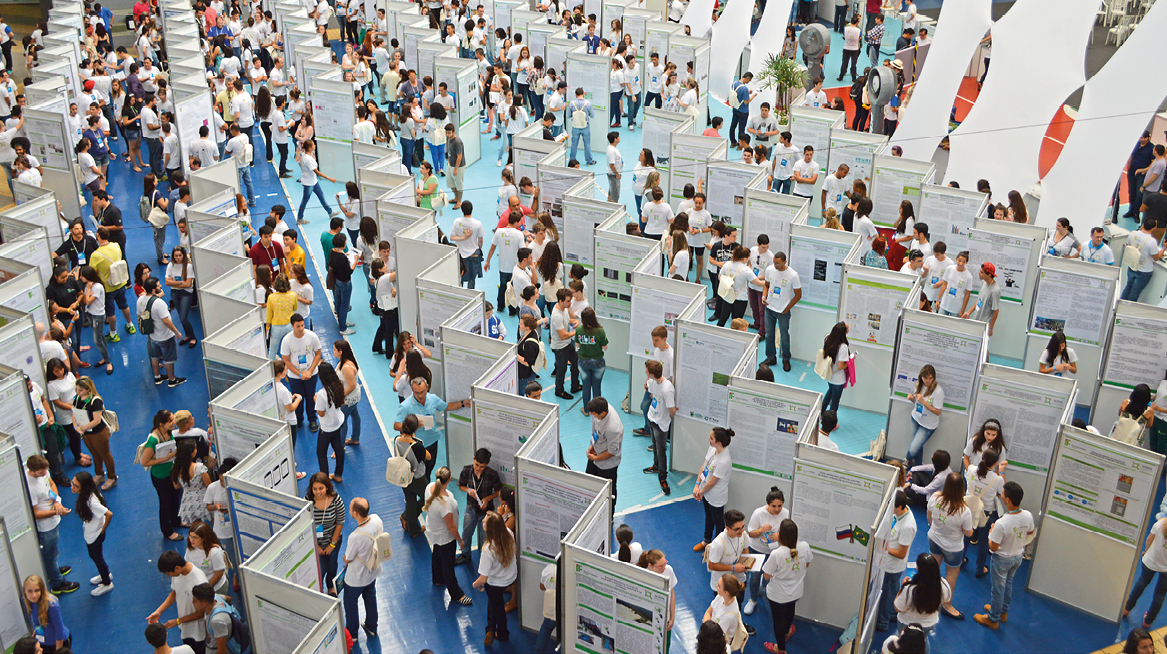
[
  {"x": 88, "y": 489},
  {"x": 988, "y": 462},
  {"x": 589, "y": 321},
  {"x": 263, "y": 103},
  {"x": 912, "y": 640},
  {"x": 711, "y": 639},
  {"x": 549, "y": 262},
  {"x": 998, "y": 443},
  {"x": 925, "y": 584},
  {"x": 346, "y": 353},
  {"x": 331, "y": 384},
  {"x": 415, "y": 367},
  {"x": 1138, "y": 400},
  {"x": 624, "y": 537},
  {"x": 182, "y": 460},
  {"x": 831, "y": 343},
  {"x": 320, "y": 478},
  {"x": 906, "y": 211},
  {"x": 1053, "y": 349}
]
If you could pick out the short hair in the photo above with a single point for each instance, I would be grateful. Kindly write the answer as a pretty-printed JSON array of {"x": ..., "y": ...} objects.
[
  {"x": 482, "y": 455},
  {"x": 156, "y": 634},
  {"x": 533, "y": 386},
  {"x": 1097, "y": 230},
  {"x": 268, "y": 231},
  {"x": 203, "y": 592},
  {"x": 809, "y": 148},
  {"x": 296, "y": 317},
  {"x": 612, "y": 136},
  {"x": 169, "y": 561},
  {"x": 1013, "y": 492},
  {"x": 901, "y": 499},
  {"x": 733, "y": 516},
  {"x": 523, "y": 253},
  {"x": 660, "y": 331},
  {"x": 597, "y": 405},
  {"x": 939, "y": 247},
  {"x": 828, "y": 420},
  {"x": 291, "y": 233},
  {"x": 654, "y": 368},
  {"x": 36, "y": 463},
  {"x": 763, "y": 239}
]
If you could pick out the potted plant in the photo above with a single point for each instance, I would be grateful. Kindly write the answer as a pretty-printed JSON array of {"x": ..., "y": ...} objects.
[{"x": 783, "y": 75}]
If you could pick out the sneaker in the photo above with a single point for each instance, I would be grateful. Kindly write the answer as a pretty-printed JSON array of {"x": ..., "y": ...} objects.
[
  {"x": 96, "y": 581},
  {"x": 348, "y": 332},
  {"x": 65, "y": 569},
  {"x": 664, "y": 488},
  {"x": 771, "y": 361},
  {"x": 750, "y": 630},
  {"x": 750, "y": 606},
  {"x": 348, "y": 323},
  {"x": 640, "y": 432},
  {"x": 313, "y": 426},
  {"x": 334, "y": 214},
  {"x": 101, "y": 589},
  {"x": 461, "y": 559},
  {"x": 131, "y": 329},
  {"x": 66, "y": 588},
  {"x": 651, "y": 470},
  {"x": 159, "y": 380},
  {"x": 177, "y": 381},
  {"x": 650, "y": 448},
  {"x": 302, "y": 221}
]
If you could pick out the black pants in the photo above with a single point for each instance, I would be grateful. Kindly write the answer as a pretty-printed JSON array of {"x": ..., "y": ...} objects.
[
  {"x": 198, "y": 646},
  {"x": 889, "y": 126},
  {"x": 265, "y": 127},
  {"x": 653, "y": 99},
  {"x": 7, "y": 49},
  {"x": 442, "y": 569},
  {"x": 283, "y": 148},
  {"x": 169, "y": 498},
  {"x": 783, "y": 615},
  {"x": 413, "y": 499},
  {"x": 714, "y": 520},
  {"x": 564, "y": 357},
  {"x": 859, "y": 124},
  {"x": 496, "y": 613},
  {"x": 853, "y": 57},
  {"x": 729, "y": 310},
  {"x": 606, "y": 473},
  {"x": 323, "y": 440},
  {"x": 51, "y": 648},
  {"x": 95, "y": 554},
  {"x": 386, "y": 335},
  {"x": 840, "y": 18}
]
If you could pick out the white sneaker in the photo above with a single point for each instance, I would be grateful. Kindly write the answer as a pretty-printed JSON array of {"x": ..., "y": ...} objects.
[
  {"x": 750, "y": 606},
  {"x": 348, "y": 332},
  {"x": 96, "y": 581},
  {"x": 101, "y": 589}
]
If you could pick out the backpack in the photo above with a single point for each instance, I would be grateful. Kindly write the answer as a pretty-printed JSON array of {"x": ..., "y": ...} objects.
[
  {"x": 510, "y": 298},
  {"x": 111, "y": 420},
  {"x": 144, "y": 206},
  {"x": 240, "y": 638},
  {"x": 540, "y": 361},
  {"x": 398, "y": 470},
  {"x": 382, "y": 549},
  {"x": 145, "y": 319},
  {"x": 579, "y": 117},
  {"x": 1132, "y": 256},
  {"x": 119, "y": 273},
  {"x": 733, "y": 99}
]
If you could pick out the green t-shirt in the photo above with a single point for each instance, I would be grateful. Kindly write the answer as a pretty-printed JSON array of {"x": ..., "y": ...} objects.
[
  {"x": 591, "y": 343},
  {"x": 427, "y": 201},
  {"x": 162, "y": 470},
  {"x": 326, "y": 244}
]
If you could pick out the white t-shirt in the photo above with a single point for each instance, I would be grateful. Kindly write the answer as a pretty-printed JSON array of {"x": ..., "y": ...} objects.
[
  {"x": 92, "y": 529},
  {"x": 816, "y": 99},
  {"x": 655, "y": 76},
  {"x": 727, "y": 551},
  {"x": 1102, "y": 254},
  {"x": 839, "y": 376},
  {"x": 666, "y": 361},
  {"x": 903, "y": 532},
  {"x": 787, "y": 573},
  {"x": 182, "y": 585},
  {"x": 63, "y": 389},
  {"x": 635, "y": 549},
  {"x": 936, "y": 268},
  {"x": 759, "y": 261},
  {"x": 435, "y": 517},
  {"x": 863, "y": 226},
  {"x": 783, "y": 283},
  {"x": 947, "y": 530},
  {"x": 300, "y": 350},
  {"x": 1071, "y": 357},
  {"x": 1010, "y": 532},
  {"x": 783, "y": 161},
  {"x": 97, "y": 306},
  {"x": 158, "y": 312},
  {"x": 906, "y": 607},
  {"x": 663, "y": 398},
  {"x": 211, "y": 563},
  {"x": 805, "y": 168},
  {"x": 1061, "y": 247},
  {"x": 284, "y": 398},
  {"x": 742, "y": 276},
  {"x": 681, "y": 263},
  {"x": 472, "y": 228},
  {"x": 657, "y": 216},
  {"x": 521, "y": 280},
  {"x": 217, "y": 494},
  {"x": 925, "y": 417},
  {"x": 308, "y": 168},
  {"x": 302, "y": 291},
  {"x": 987, "y": 488},
  {"x": 507, "y": 241},
  {"x": 837, "y": 192},
  {"x": 719, "y": 465},
  {"x": 1155, "y": 558},
  {"x": 767, "y": 541},
  {"x": 496, "y": 573},
  {"x": 42, "y": 498},
  {"x": 37, "y": 396},
  {"x": 1147, "y": 248},
  {"x": 359, "y": 550},
  {"x": 333, "y": 418},
  {"x": 959, "y": 283},
  {"x": 614, "y": 159},
  {"x": 700, "y": 219},
  {"x": 974, "y": 456},
  {"x": 727, "y": 616}
]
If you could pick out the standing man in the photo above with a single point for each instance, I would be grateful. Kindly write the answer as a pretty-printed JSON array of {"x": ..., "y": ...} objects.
[
  {"x": 237, "y": 147},
  {"x": 1136, "y": 166},
  {"x": 989, "y": 300},
  {"x": 1097, "y": 251},
  {"x": 782, "y": 164},
  {"x": 740, "y": 97},
  {"x": 874, "y": 33},
  {"x": 184, "y": 576},
  {"x": 763, "y": 127},
  {"x": 467, "y": 235},
  {"x": 580, "y": 113},
  {"x": 300, "y": 351},
  {"x": 1141, "y": 270},
  {"x": 662, "y": 408},
  {"x": 760, "y": 259},
  {"x": 360, "y": 560},
  {"x": 266, "y": 252},
  {"x": 164, "y": 336},
  {"x": 104, "y": 259},
  {"x": 835, "y": 189},
  {"x": 48, "y": 509},
  {"x": 805, "y": 174},
  {"x": 1153, "y": 174},
  {"x": 851, "y": 37},
  {"x": 563, "y": 344},
  {"x": 615, "y": 163},
  {"x": 556, "y": 103},
  {"x": 783, "y": 290},
  {"x": 507, "y": 241},
  {"x": 152, "y": 135},
  {"x": 78, "y": 248},
  {"x": 655, "y": 76},
  {"x": 425, "y": 405},
  {"x": 899, "y": 543},
  {"x": 1007, "y": 542},
  {"x": 607, "y": 438},
  {"x": 456, "y": 164},
  {"x": 108, "y": 215},
  {"x": 482, "y": 486}
]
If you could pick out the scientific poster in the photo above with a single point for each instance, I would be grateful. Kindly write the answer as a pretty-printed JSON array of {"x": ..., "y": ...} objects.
[
  {"x": 506, "y": 381},
  {"x": 546, "y": 447},
  {"x": 550, "y": 510},
  {"x": 858, "y": 157},
  {"x": 13, "y": 504},
  {"x": 872, "y": 309},
  {"x": 819, "y": 265},
  {"x": 767, "y": 426},
  {"x": 765, "y": 216},
  {"x": 503, "y": 430},
  {"x": 1079, "y": 305},
  {"x": 27, "y": 299},
  {"x": 726, "y": 192},
  {"x": 704, "y": 365},
  {"x": 237, "y": 439},
  {"x": 390, "y": 222},
  {"x": 274, "y": 470},
  {"x": 334, "y": 115},
  {"x": 1009, "y": 254},
  {"x": 11, "y": 609},
  {"x": 257, "y": 519},
  {"x": 16, "y": 419},
  {"x": 31, "y": 248},
  {"x": 591, "y": 74},
  {"x": 690, "y": 155},
  {"x": 48, "y": 142},
  {"x": 615, "y": 259},
  {"x": 949, "y": 217},
  {"x": 191, "y": 114},
  {"x": 835, "y": 509},
  {"x": 680, "y": 55},
  {"x": 19, "y": 350},
  {"x": 1101, "y": 489},
  {"x": 281, "y": 629},
  {"x": 655, "y": 136},
  {"x": 651, "y": 308},
  {"x": 579, "y": 222},
  {"x": 261, "y": 402},
  {"x": 293, "y": 557},
  {"x": 1138, "y": 350},
  {"x": 815, "y": 132},
  {"x": 617, "y": 614},
  {"x": 332, "y": 643},
  {"x": 250, "y": 342},
  {"x": 1030, "y": 416},
  {"x": 888, "y": 188},
  {"x": 463, "y": 366},
  {"x": 525, "y": 164},
  {"x": 955, "y": 357},
  {"x": 435, "y": 307}
]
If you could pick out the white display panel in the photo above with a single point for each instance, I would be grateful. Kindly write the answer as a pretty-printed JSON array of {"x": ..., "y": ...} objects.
[
  {"x": 890, "y": 186},
  {"x": 13, "y": 505},
  {"x": 651, "y": 308},
  {"x": 283, "y": 629},
  {"x": 614, "y": 608},
  {"x": 1010, "y": 255},
  {"x": 237, "y": 433},
  {"x": 12, "y": 623},
  {"x": 1030, "y": 415},
  {"x": 577, "y": 217},
  {"x": 436, "y": 303},
  {"x": 552, "y": 506},
  {"x": 767, "y": 427},
  {"x": 770, "y": 214},
  {"x": 835, "y": 509},
  {"x": 706, "y": 357},
  {"x": 1138, "y": 350},
  {"x": 819, "y": 264},
  {"x": 503, "y": 428},
  {"x": 257, "y": 518},
  {"x": 1078, "y": 305},
  {"x": 271, "y": 466},
  {"x": 688, "y": 157},
  {"x": 290, "y": 555},
  {"x": 726, "y": 190},
  {"x": 872, "y": 305},
  {"x": 16, "y": 417},
  {"x": 955, "y": 356},
  {"x": 812, "y": 126},
  {"x": 616, "y": 257},
  {"x": 949, "y": 214}
]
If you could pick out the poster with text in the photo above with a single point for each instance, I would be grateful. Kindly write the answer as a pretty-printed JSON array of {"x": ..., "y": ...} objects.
[
  {"x": 767, "y": 427},
  {"x": 764, "y": 216},
  {"x": 463, "y": 366},
  {"x": 257, "y": 519},
  {"x": 1077, "y": 305},
  {"x": 704, "y": 365},
  {"x": 579, "y": 222},
  {"x": 858, "y": 157},
  {"x": 615, "y": 260},
  {"x": 819, "y": 265},
  {"x": 689, "y": 159},
  {"x": 1010, "y": 255},
  {"x": 955, "y": 357},
  {"x": 435, "y": 307},
  {"x": 727, "y": 193},
  {"x": 550, "y": 510},
  {"x": 1137, "y": 354},
  {"x": 872, "y": 309},
  {"x": 281, "y": 629},
  {"x": 815, "y": 132},
  {"x": 890, "y": 187},
  {"x": 1030, "y": 416},
  {"x": 1100, "y": 489},
  {"x": 835, "y": 509},
  {"x": 503, "y": 430},
  {"x": 616, "y": 614},
  {"x": 949, "y": 217},
  {"x": 652, "y": 308}
]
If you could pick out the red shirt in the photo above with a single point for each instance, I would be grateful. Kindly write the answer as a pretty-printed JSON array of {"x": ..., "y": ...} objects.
[
  {"x": 504, "y": 219},
  {"x": 140, "y": 8},
  {"x": 269, "y": 256},
  {"x": 709, "y": 131}
]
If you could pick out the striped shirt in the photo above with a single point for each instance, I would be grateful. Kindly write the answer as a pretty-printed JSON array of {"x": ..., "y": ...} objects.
[{"x": 327, "y": 521}]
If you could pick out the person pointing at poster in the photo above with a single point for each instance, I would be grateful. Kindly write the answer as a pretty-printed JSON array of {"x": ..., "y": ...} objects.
[{"x": 425, "y": 406}]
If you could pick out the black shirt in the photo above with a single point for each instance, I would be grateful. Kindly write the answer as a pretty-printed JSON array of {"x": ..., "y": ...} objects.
[
  {"x": 547, "y": 135},
  {"x": 339, "y": 266},
  {"x": 722, "y": 252},
  {"x": 1142, "y": 156},
  {"x": 112, "y": 217},
  {"x": 1156, "y": 204},
  {"x": 78, "y": 252},
  {"x": 485, "y": 485},
  {"x": 64, "y": 295},
  {"x": 529, "y": 350}
]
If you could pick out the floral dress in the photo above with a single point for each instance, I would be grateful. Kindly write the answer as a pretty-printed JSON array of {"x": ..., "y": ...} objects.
[{"x": 193, "y": 506}]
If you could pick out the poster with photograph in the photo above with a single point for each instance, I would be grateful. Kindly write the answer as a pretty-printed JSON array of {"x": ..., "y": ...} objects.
[
  {"x": 617, "y": 614},
  {"x": 1010, "y": 255},
  {"x": 726, "y": 192},
  {"x": 956, "y": 358},
  {"x": 872, "y": 309},
  {"x": 1100, "y": 489},
  {"x": 1138, "y": 350},
  {"x": 1077, "y": 305},
  {"x": 704, "y": 365},
  {"x": 1031, "y": 417},
  {"x": 835, "y": 509},
  {"x": 616, "y": 257},
  {"x": 889, "y": 187},
  {"x": 819, "y": 265},
  {"x": 435, "y": 307},
  {"x": 652, "y": 308},
  {"x": 767, "y": 426},
  {"x": 503, "y": 430}
]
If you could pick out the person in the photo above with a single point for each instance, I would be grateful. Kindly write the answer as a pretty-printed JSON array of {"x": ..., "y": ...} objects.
[
  {"x": 805, "y": 173},
  {"x": 164, "y": 336},
  {"x": 876, "y": 257},
  {"x": 1096, "y": 250},
  {"x": 955, "y": 287},
  {"x": 184, "y": 576},
  {"x": 467, "y": 235},
  {"x": 723, "y": 610},
  {"x": 985, "y": 485},
  {"x": 191, "y": 478},
  {"x": 740, "y": 276},
  {"x": 156, "y": 638},
  {"x": 47, "y": 509},
  {"x": 482, "y": 486},
  {"x": 1007, "y": 540},
  {"x": 217, "y": 615},
  {"x": 828, "y": 422},
  {"x": 1057, "y": 357},
  {"x": 425, "y": 406},
  {"x": 627, "y": 550},
  {"x": 836, "y": 348},
  {"x": 158, "y": 457},
  {"x": 1139, "y": 641},
  {"x": 921, "y": 597},
  {"x": 615, "y": 164},
  {"x": 309, "y": 179},
  {"x": 362, "y": 567},
  {"x": 935, "y": 267},
  {"x": 785, "y": 570},
  {"x": 1063, "y": 243},
  {"x": 407, "y": 446},
  {"x": 591, "y": 342},
  {"x": 341, "y": 265},
  {"x": 659, "y": 417},
  {"x": 607, "y": 437},
  {"x": 723, "y": 555},
  {"x": 180, "y": 279},
  {"x": 1142, "y": 266},
  {"x": 441, "y": 507},
  {"x": 497, "y": 570},
  {"x": 988, "y": 305},
  {"x": 712, "y": 485},
  {"x": 740, "y": 97},
  {"x": 922, "y": 481},
  {"x": 899, "y": 542},
  {"x": 207, "y": 554},
  {"x": 563, "y": 345},
  {"x": 300, "y": 351},
  {"x": 1135, "y": 414},
  {"x": 949, "y": 523},
  {"x": 988, "y": 437},
  {"x": 928, "y": 399},
  {"x": 760, "y": 259},
  {"x": 328, "y": 402},
  {"x": 763, "y": 531},
  {"x": 528, "y": 348},
  {"x": 580, "y": 112},
  {"x": 782, "y": 291},
  {"x": 1139, "y": 161},
  {"x": 44, "y": 612},
  {"x": 508, "y": 241}
]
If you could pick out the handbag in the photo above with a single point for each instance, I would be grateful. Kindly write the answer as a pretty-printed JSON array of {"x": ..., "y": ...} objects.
[
  {"x": 822, "y": 366},
  {"x": 330, "y": 281},
  {"x": 338, "y": 581}
]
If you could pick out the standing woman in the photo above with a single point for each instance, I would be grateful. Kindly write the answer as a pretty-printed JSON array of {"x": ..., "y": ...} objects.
[
  {"x": 302, "y": 287},
  {"x": 309, "y": 178},
  {"x": 929, "y": 402},
  {"x": 191, "y": 478},
  {"x": 347, "y": 367},
  {"x": 922, "y": 595},
  {"x": 62, "y": 389},
  {"x": 949, "y": 523},
  {"x": 712, "y": 487},
  {"x": 1057, "y": 357},
  {"x": 409, "y": 363},
  {"x": 1017, "y": 210},
  {"x": 408, "y": 137},
  {"x": 738, "y": 269},
  {"x": 341, "y": 267},
  {"x": 836, "y": 348},
  {"x": 204, "y": 550},
  {"x": 655, "y": 561},
  {"x": 281, "y": 305},
  {"x": 263, "y": 103},
  {"x": 350, "y": 209},
  {"x": 94, "y": 301},
  {"x": 1063, "y": 243},
  {"x": 516, "y": 118},
  {"x": 680, "y": 256},
  {"x": 762, "y": 530},
  {"x": 785, "y": 569},
  {"x": 427, "y": 187},
  {"x": 329, "y": 400},
  {"x": 94, "y": 521},
  {"x": 988, "y": 437},
  {"x": 328, "y": 521},
  {"x": 984, "y": 484},
  {"x": 497, "y": 570},
  {"x": 591, "y": 341},
  {"x": 44, "y": 612},
  {"x": 132, "y": 129},
  {"x": 386, "y": 298},
  {"x": 645, "y": 164},
  {"x": 169, "y": 497},
  {"x": 408, "y": 446},
  {"x": 442, "y": 532},
  {"x": 1135, "y": 415},
  {"x": 723, "y": 610},
  {"x": 1154, "y": 562},
  {"x": 550, "y": 266},
  {"x": 87, "y": 418},
  {"x": 180, "y": 279}
]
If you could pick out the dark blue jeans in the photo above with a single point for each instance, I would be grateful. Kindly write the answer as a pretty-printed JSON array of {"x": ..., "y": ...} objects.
[
  {"x": 49, "y": 551},
  {"x": 1156, "y": 599},
  {"x": 833, "y": 395},
  {"x": 1135, "y": 283},
  {"x": 407, "y": 146},
  {"x": 737, "y": 126},
  {"x": 328, "y": 566},
  {"x": 504, "y": 278},
  {"x": 352, "y": 416},
  {"x": 342, "y": 293},
  {"x": 307, "y": 390},
  {"x": 308, "y": 191},
  {"x": 782, "y": 320},
  {"x": 351, "y": 596},
  {"x": 183, "y": 301},
  {"x": 887, "y": 609},
  {"x": 593, "y": 375}
]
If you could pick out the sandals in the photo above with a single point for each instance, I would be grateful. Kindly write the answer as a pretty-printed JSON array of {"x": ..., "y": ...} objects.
[
  {"x": 465, "y": 601},
  {"x": 175, "y": 536},
  {"x": 349, "y": 441}
]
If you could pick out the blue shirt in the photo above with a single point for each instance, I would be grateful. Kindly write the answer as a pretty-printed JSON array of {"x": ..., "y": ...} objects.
[
  {"x": 53, "y": 631},
  {"x": 433, "y": 406},
  {"x": 492, "y": 326},
  {"x": 743, "y": 95},
  {"x": 593, "y": 43},
  {"x": 1142, "y": 156}
]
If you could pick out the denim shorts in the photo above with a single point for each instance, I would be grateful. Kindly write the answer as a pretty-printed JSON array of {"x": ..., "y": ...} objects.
[
  {"x": 951, "y": 559},
  {"x": 165, "y": 351},
  {"x": 115, "y": 297}
]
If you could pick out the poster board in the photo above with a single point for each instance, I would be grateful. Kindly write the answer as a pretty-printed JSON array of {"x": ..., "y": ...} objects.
[
  {"x": 1100, "y": 535},
  {"x": 658, "y": 301},
  {"x": 575, "y": 217},
  {"x": 28, "y": 241},
  {"x": 466, "y": 357},
  {"x": 212, "y": 178},
  {"x": 287, "y": 619},
  {"x": 871, "y": 302},
  {"x": 16, "y": 512},
  {"x": 233, "y": 352},
  {"x": 771, "y": 214},
  {"x": 656, "y": 127},
  {"x": 393, "y": 216},
  {"x": 420, "y": 239},
  {"x": 894, "y": 180},
  {"x": 616, "y": 255},
  {"x": 502, "y": 423},
  {"x": 1135, "y": 352},
  {"x": 592, "y": 73},
  {"x": 813, "y": 126},
  {"x": 255, "y": 393},
  {"x": 257, "y": 513},
  {"x": 23, "y": 292},
  {"x": 18, "y": 344},
  {"x": 191, "y": 113},
  {"x": 227, "y": 297},
  {"x": 290, "y": 553},
  {"x": 16, "y": 412},
  {"x": 725, "y": 188},
  {"x": 688, "y": 157},
  {"x": 950, "y": 214},
  {"x": 237, "y": 432},
  {"x": 1016, "y": 251},
  {"x": 817, "y": 255},
  {"x": 437, "y": 301},
  {"x": 856, "y": 149},
  {"x": 13, "y": 625},
  {"x": 528, "y": 148}
]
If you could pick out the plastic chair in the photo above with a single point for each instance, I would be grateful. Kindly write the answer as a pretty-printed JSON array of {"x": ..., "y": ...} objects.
[
  {"x": 1115, "y": 11},
  {"x": 1122, "y": 30}
]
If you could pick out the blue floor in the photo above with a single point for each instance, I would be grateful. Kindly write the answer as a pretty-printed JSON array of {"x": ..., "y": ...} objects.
[{"x": 115, "y": 621}]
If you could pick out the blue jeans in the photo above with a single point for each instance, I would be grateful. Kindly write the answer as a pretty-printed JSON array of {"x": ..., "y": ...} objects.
[
  {"x": 783, "y": 185},
  {"x": 1141, "y": 585},
  {"x": 504, "y": 144},
  {"x": 1002, "y": 569},
  {"x": 342, "y": 292},
  {"x": 645, "y": 405},
  {"x": 593, "y": 374},
  {"x": 245, "y": 184},
  {"x": 586, "y": 135},
  {"x": 737, "y": 125},
  {"x": 920, "y": 436},
  {"x": 615, "y": 99},
  {"x": 438, "y": 154},
  {"x": 887, "y": 609},
  {"x": 308, "y": 191},
  {"x": 407, "y": 146},
  {"x": 351, "y": 596},
  {"x": 471, "y": 522},
  {"x": 754, "y": 582},
  {"x": 1135, "y": 283},
  {"x": 154, "y": 150},
  {"x": 328, "y": 567},
  {"x": 543, "y": 640},
  {"x": 660, "y": 459},
  {"x": 833, "y": 395},
  {"x": 352, "y": 416},
  {"x": 633, "y": 109},
  {"x": 183, "y": 301},
  {"x": 782, "y": 320},
  {"x": 521, "y": 390},
  {"x": 307, "y": 390},
  {"x": 48, "y": 540},
  {"x": 982, "y": 536}
]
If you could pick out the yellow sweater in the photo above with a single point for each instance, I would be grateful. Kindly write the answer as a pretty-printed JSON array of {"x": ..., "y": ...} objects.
[{"x": 280, "y": 307}]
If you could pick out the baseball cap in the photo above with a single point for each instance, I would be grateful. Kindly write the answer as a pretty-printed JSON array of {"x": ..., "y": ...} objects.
[
  {"x": 88, "y": 85},
  {"x": 989, "y": 269}
]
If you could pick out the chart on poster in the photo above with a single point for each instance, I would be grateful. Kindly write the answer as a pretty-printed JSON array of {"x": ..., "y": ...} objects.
[
  {"x": 282, "y": 629},
  {"x": 819, "y": 265},
  {"x": 857, "y": 155},
  {"x": 1031, "y": 416},
  {"x": 872, "y": 309},
  {"x": 615, "y": 259},
  {"x": 949, "y": 216},
  {"x": 293, "y": 556},
  {"x": 503, "y": 430},
  {"x": 551, "y": 509},
  {"x": 257, "y": 518},
  {"x": 463, "y": 366},
  {"x": 1009, "y": 254},
  {"x": 1138, "y": 347},
  {"x": 704, "y": 365},
  {"x": 835, "y": 509},
  {"x": 1101, "y": 489},
  {"x": 690, "y": 157},
  {"x": 610, "y": 623},
  {"x": 1077, "y": 305},
  {"x": 653, "y": 308},
  {"x": 767, "y": 427},
  {"x": 955, "y": 357},
  {"x": 435, "y": 307}
]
